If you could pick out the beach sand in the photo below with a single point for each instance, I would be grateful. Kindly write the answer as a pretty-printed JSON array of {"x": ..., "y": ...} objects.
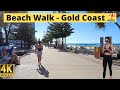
[{"x": 87, "y": 47}]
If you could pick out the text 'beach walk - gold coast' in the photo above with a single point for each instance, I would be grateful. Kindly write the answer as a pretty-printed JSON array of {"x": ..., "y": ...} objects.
[{"x": 88, "y": 17}]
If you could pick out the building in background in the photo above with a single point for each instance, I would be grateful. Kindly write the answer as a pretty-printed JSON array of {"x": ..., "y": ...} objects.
[
  {"x": 0, "y": 36},
  {"x": 16, "y": 43},
  {"x": 101, "y": 41},
  {"x": 0, "y": 30}
]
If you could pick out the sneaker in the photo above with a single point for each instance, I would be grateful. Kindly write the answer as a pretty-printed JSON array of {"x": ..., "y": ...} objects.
[
  {"x": 110, "y": 77},
  {"x": 39, "y": 63}
]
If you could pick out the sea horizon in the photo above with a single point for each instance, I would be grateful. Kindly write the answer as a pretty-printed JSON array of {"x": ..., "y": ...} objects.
[{"x": 89, "y": 44}]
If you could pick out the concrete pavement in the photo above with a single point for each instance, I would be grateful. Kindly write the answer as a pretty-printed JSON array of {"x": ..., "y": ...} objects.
[{"x": 62, "y": 65}]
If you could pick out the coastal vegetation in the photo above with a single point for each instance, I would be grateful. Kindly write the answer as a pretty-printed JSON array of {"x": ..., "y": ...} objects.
[
  {"x": 58, "y": 30},
  {"x": 103, "y": 25}
]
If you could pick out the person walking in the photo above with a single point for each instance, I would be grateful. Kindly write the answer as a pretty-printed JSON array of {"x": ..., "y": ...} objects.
[
  {"x": 48, "y": 45},
  {"x": 39, "y": 49},
  {"x": 107, "y": 58}
]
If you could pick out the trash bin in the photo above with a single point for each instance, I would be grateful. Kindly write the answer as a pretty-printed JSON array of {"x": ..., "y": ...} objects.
[
  {"x": 101, "y": 54},
  {"x": 97, "y": 52}
]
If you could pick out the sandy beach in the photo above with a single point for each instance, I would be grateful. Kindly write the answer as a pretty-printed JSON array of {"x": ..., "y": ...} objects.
[{"x": 87, "y": 47}]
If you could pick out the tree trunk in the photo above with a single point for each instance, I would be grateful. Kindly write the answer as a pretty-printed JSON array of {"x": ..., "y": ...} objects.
[
  {"x": 65, "y": 40},
  {"x": 117, "y": 25},
  {"x": 28, "y": 45},
  {"x": 56, "y": 43},
  {"x": 21, "y": 43},
  {"x": 62, "y": 42},
  {"x": 6, "y": 35},
  {"x": 6, "y": 39},
  {"x": 7, "y": 32}
]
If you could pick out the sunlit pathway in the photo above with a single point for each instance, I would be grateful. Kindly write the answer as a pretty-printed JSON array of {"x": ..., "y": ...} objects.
[{"x": 62, "y": 65}]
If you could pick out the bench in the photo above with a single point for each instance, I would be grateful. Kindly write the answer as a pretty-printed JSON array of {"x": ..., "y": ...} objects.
[{"x": 20, "y": 52}]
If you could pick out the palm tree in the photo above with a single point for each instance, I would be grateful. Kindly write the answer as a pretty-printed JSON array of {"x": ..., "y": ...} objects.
[{"x": 103, "y": 25}]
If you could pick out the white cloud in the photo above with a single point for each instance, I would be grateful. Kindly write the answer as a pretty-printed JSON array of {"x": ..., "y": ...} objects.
[
  {"x": 39, "y": 35},
  {"x": 93, "y": 40}
]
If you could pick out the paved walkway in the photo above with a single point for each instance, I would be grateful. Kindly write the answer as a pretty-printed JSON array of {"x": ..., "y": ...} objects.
[{"x": 62, "y": 65}]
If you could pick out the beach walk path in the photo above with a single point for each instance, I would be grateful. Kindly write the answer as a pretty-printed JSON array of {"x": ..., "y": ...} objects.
[{"x": 61, "y": 65}]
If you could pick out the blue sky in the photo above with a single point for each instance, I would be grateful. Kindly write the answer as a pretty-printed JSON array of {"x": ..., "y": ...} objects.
[{"x": 84, "y": 32}]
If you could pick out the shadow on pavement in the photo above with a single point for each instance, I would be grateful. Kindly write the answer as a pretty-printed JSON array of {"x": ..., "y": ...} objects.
[
  {"x": 43, "y": 71},
  {"x": 27, "y": 54}
]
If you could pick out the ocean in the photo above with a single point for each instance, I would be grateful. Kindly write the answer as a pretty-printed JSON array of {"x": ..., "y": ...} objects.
[{"x": 89, "y": 44}]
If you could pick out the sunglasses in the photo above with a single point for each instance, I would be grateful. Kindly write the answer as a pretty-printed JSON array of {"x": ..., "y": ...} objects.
[{"x": 106, "y": 41}]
